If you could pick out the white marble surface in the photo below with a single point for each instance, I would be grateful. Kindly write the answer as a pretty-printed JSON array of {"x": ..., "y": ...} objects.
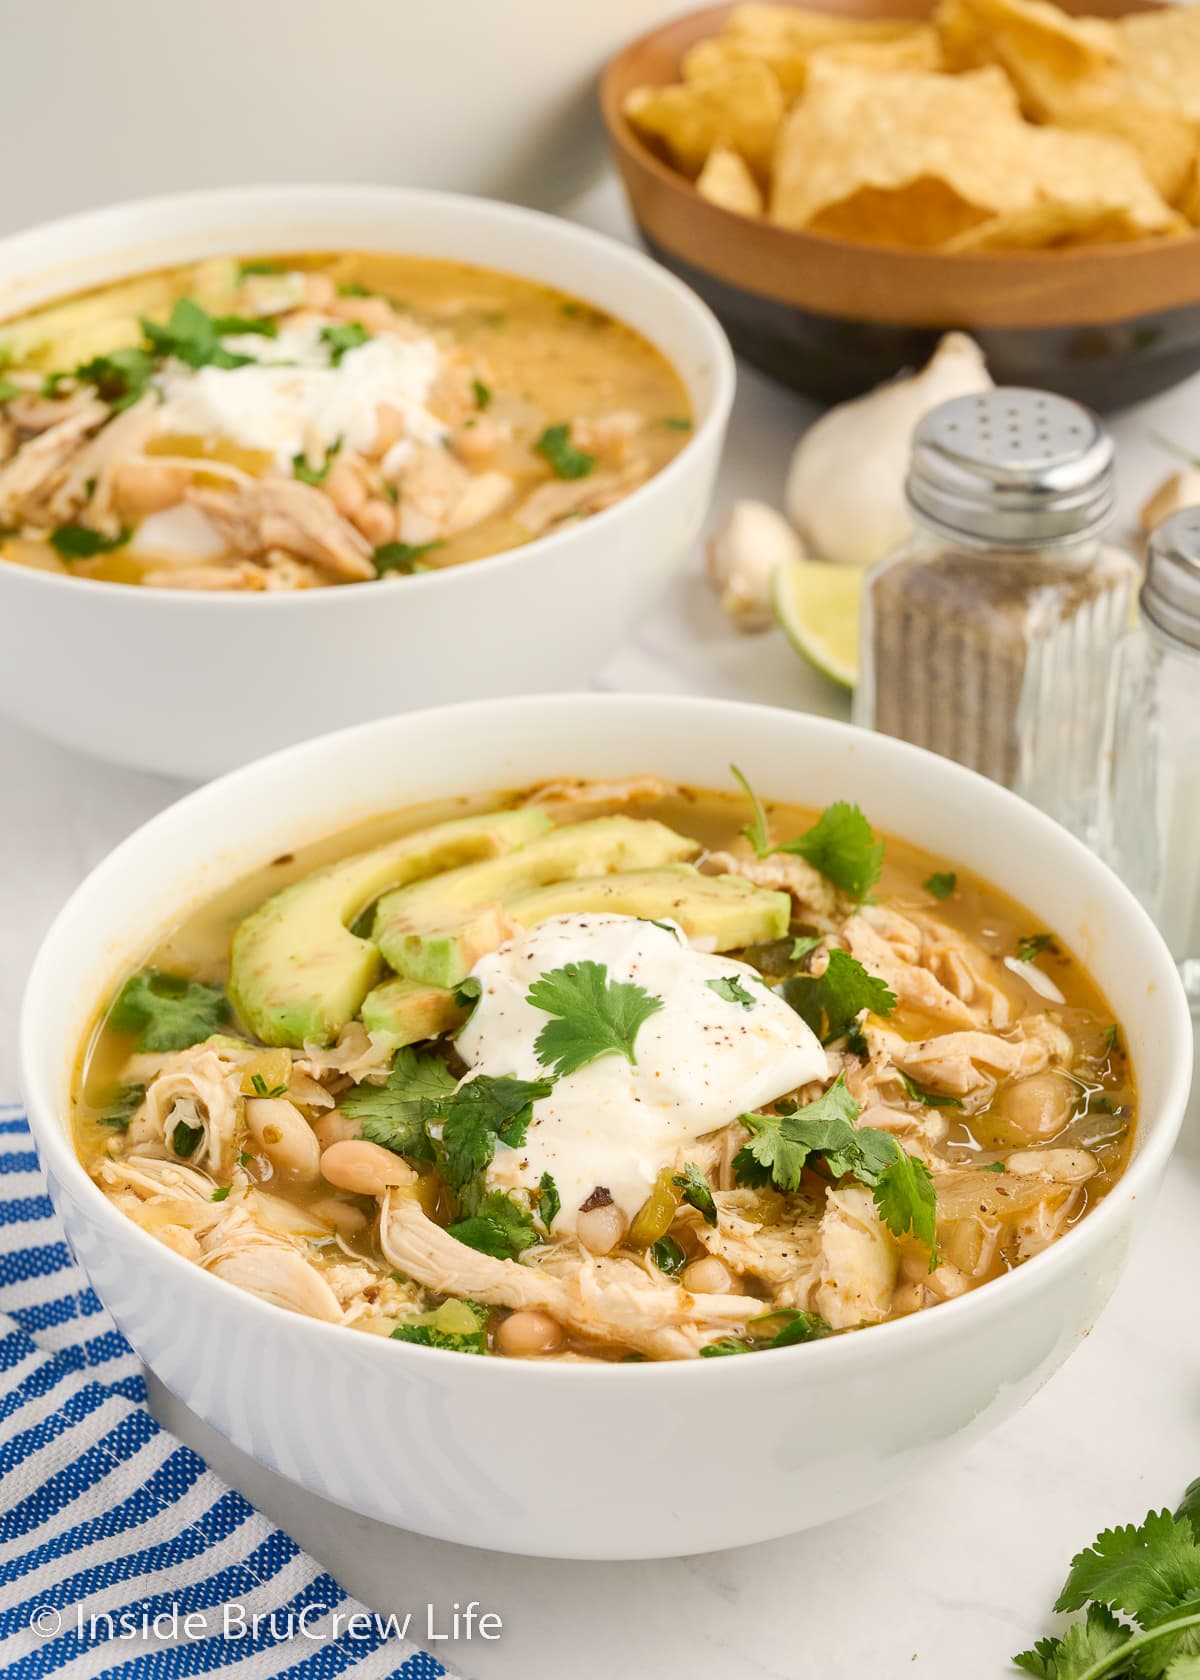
[{"x": 943, "y": 1582}]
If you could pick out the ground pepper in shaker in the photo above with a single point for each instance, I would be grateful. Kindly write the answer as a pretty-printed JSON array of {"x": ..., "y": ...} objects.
[
  {"x": 1151, "y": 805},
  {"x": 989, "y": 636}
]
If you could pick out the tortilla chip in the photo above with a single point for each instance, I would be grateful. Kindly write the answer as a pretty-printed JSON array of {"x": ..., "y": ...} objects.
[
  {"x": 738, "y": 105},
  {"x": 1029, "y": 30},
  {"x": 922, "y": 160},
  {"x": 784, "y": 39},
  {"x": 1047, "y": 227},
  {"x": 1161, "y": 54},
  {"x": 726, "y": 180}
]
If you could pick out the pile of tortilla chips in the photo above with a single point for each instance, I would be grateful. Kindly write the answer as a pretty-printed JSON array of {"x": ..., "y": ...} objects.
[{"x": 1000, "y": 125}]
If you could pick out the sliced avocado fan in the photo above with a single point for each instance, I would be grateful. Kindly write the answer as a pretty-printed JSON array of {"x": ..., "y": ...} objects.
[
  {"x": 437, "y": 930},
  {"x": 298, "y": 974},
  {"x": 725, "y": 910}
]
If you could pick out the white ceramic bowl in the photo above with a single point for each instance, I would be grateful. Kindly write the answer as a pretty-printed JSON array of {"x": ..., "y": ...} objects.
[
  {"x": 600, "y": 1461},
  {"x": 189, "y": 683}
]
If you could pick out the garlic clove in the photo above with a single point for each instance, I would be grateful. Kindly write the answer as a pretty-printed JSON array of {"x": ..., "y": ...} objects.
[
  {"x": 845, "y": 487},
  {"x": 744, "y": 552},
  {"x": 1180, "y": 490}
]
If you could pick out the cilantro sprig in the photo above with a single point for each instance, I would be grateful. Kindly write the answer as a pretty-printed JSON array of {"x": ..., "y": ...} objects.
[
  {"x": 1149, "y": 1573},
  {"x": 565, "y": 461},
  {"x": 593, "y": 1016},
  {"x": 343, "y": 337},
  {"x": 831, "y": 1003},
  {"x": 841, "y": 844},
  {"x": 792, "y": 1327},
  {"x": 730, "y": 987},
  {"x": 166, "y": 1012},
  {"x": 81, "y": 542},
  {"x": 192, "y": 336},
  {"x": 500, "y": 1226},
  {"x": 471, "y": 1118},
  {"x": 392, "y": 1114},
  {"x": 402, "y": 557},
  {"x": 942, "y": 883},
  {"x": 458, "y": 1326},
  {"x": 825, "y": 1132}
]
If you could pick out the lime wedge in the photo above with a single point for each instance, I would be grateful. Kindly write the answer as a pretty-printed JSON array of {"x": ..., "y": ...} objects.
[{"x": 817, "y": 605}]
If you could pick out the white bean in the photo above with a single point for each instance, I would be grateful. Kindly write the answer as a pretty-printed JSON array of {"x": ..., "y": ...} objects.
[
  {"x": 364, "y": 1169},
  {"x": 279, "y": 1131}
]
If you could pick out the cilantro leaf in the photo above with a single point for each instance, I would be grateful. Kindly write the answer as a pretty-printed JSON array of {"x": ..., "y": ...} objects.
[
  {"x": 804, "y": 944},
  {"x": 942, "y": 883},
  {"x": 756, "y": 831},
  {"x": 794, "y": 1327},
  {"x": 565, "y": 461},
  {"x": 549, "y": 1201},
  {"x": 221, "y": 1193},
  {"x": 120, "y": 377},
  {"x": 354, "y": 288},
  {"x": 731, "y": 989},
  {"x": 482, "y": 394},
  {"x": 918, "y": 1093},
  {"x": 668, "y": 1256},
  {"x": 191, "y": 335},
  {"x": 392, "y": 1114},
  {"x": 842, "y": 846},
  {"x": 472, "y": 1118},
  {"x": 402, "y": 557},
  {"x": 124, "y": 1105},
  {"x": 1033, "y": 945},
  {"x": 593, "y": 1016},
  {"x": 167, "y": 1012},
  {"x": 8, "y": 390},
  {"x": 260, "y": 267},
  {"x": 259, "y": 326},
  {"x": 458, "y": 1326},
  {"x": 499, "y": 1226},
  {"x": 1110, "y": 1038},
  {"x": 343, "y": 337},
  {"x": 832, "y": 1002},
  {"x": 906, "y": 1199},
  {"x": 1081, "y": 1648},
  {"x": 315, "y": 475},
  {"x": 676, "y": 423},
  {"x": 80, "y": 542},
  {"x": 1146, "y": 1571},
  {"x": 184, "y": 1138},
  {"x": 697, "y": 1192}
]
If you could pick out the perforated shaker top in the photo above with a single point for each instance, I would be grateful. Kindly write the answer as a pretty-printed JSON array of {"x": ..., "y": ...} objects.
[
  {"x": 1013, "y": 469},
  {"x": 1170, "y": 595}
]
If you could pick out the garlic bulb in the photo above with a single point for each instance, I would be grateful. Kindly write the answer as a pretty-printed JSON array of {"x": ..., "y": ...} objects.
[
  {"x": 845, "y": 488},
  {"x": 744, "y": 552},
  {"x": 1180, "y": 490}
]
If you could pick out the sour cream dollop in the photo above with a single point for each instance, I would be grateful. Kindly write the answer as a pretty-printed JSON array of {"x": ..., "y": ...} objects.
[
  {"x": 291, "y": 398},
  {"x": 702, "y": 1059}
]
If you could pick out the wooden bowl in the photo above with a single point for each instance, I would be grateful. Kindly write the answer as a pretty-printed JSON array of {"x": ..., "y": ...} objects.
[{"x": 1107, "y": 324}]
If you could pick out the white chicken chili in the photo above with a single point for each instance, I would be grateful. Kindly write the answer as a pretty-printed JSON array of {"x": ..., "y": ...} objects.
[
  {"x": 607, "y": 1071},
  {"x": 292, "y": 423}
]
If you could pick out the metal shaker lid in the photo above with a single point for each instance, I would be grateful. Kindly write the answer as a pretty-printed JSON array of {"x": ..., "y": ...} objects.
[
  {"x": 1170, "y": 594},
  {"x": 1012, "y": 468}
]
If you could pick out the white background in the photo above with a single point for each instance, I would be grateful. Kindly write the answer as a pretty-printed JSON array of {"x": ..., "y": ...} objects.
[{"x": 943, "y": 1582}]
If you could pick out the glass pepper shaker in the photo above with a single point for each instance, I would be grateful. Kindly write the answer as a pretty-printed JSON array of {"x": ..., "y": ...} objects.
[
  {"x": 989, "y": 635},
  {"x": 1151, "y": 805}
]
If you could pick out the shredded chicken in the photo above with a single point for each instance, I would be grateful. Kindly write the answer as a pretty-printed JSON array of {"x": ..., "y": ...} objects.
[
  {"x": 577, "y": 498},
  {"x": 32, "y": 471},
  {"x": 277, "y": 513},
  {"x": 815, "y": 897}
]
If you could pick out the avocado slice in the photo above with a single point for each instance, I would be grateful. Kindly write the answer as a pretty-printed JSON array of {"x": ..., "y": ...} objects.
[
  {"x": 298, "y": 974},
  {"x": 437, "y": 930},
  {"x": 404, "y": 1011},
  {"x": 725, "y": 909}
]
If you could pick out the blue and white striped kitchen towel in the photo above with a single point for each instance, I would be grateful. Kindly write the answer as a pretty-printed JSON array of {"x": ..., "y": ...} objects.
[{"x": 107, "y": 1522}]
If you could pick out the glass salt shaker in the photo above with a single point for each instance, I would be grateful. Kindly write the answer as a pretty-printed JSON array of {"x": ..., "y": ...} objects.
[
  {"x": 1151, "y": 805},
  {"x": 988, "y": 637}
]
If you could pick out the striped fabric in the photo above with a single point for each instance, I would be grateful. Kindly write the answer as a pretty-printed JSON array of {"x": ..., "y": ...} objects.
[{"x": 107, "y": 1522}]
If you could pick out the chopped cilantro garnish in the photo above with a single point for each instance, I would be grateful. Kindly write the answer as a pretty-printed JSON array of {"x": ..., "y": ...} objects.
[
  {"x": 803, "y": 945},
  {"x": 676, "y": 423},
  {"x": 354, "y": 288},
  {"x": 756, "y": 830},
  {"x": 782, "y": 1145},
  {"x": 840, "y": 845},
  {"x": 458, "y": 1326},
  {"x": 192, "y": 336},
  {"x": 499, "y": 1226},
  {"x": 468, "y": 992},
  {"x": 593, "y": 1016},
  {"x": 120, "y": 377},
  {"x": 167, "y": 1012},
  {"x": 53, "y": 383},
  {"x": 793, "y": 1327},
  {"x": 402, "y": 557},
  {"x": 184, "y": 1138},
  {"x": 991, "y": 1166},
  {"x": 1032, "y": 946},
  {"x": 392, "y": 1114},
  {"x": 229, "y": 326},
  {"x": 8, "y": 390},
  {"x": 832, "y": 1002},
  {"x": 1111, "y": 1039},
  {"x": 124, "y": 1105},
  {"x": 1149, "y": 1574},
  {"x": 549, "y": 1201},
  {"x": 80, "y": 542},
  {"x": 482, "y": 394},
  {"x": 261, "y": 1089},
  {"x": 220, "y": 1194},
  {"x": 731, "y": 989},
  {"x": 668, "y": 1256},
  {"x": 344, "y": 336},
  {"x": 918, "y": 1093},
  {"x": 260, "y": 267},
  {"x": 472, "y": 1117},
  {"x": 941, "y": 883},
  {"x": 308, "y": 474},
  {"x": 565, "y": 461},
  {"x": 697, "y": 1192}
]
